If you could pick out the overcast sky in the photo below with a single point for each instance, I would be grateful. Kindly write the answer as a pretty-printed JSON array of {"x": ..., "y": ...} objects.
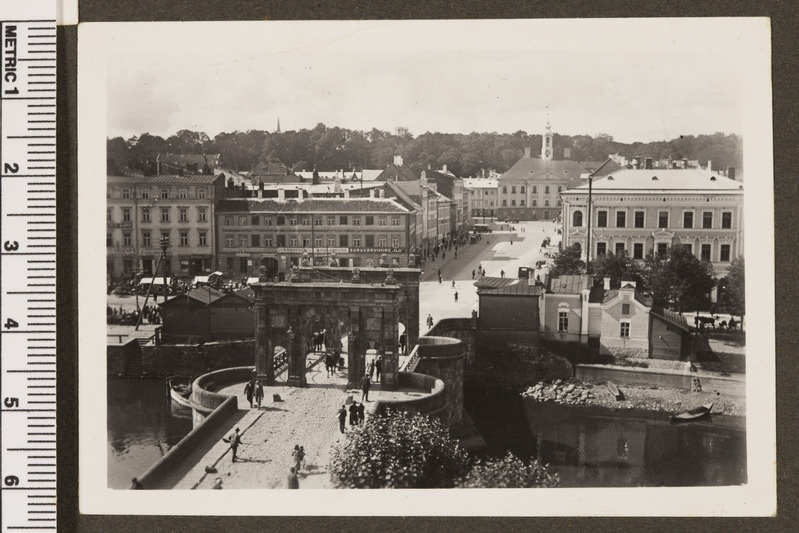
[{"x": 633, "y": 79}]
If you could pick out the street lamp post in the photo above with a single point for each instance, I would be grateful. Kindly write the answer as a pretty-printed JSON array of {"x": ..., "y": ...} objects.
[
  {"x": 588, "y": 247},
  {"x": 164, "y": 246}
]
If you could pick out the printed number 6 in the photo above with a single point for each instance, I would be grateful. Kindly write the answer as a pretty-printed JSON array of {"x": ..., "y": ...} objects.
[
  {"x": 11, "y": 481},
  {"x": 11, "y": 246}
]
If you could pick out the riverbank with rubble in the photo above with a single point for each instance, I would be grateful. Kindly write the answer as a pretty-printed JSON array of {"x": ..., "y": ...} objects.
[{"x": 652, "y": 398}]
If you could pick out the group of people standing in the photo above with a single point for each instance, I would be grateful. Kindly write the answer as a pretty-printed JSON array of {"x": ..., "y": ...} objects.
[
  {"x": 254, "y": 391},
  {"x": 357, "y": 412},
  {"x": 333, "y": 361}
]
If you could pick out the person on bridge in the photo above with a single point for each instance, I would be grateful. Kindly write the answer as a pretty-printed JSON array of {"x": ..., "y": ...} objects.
[
  {"x": 361, "y": 413},
  {"x": 453, "y": 283},
  {"x": 342, "y": 418},
  {"x": 235, "y": 440},
  {"x": 379, "y": 366},
  {"x": 502, "y": 273},
  {"x": 292, "y": 481},
  {"x": 259, "y": 393},
  {"x": 371, "y": 368},
  {"x": 472, "y": 273},
  {"x": 354, "y": 413},
  {"x": 429, "y": 321},
  {"x": 456, "y": 296},
  {"x": 248, "y": 392},
  {"x": 365, "y": 384}
]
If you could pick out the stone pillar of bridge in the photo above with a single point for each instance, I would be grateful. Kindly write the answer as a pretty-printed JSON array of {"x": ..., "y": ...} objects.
[
  {"x": 296, "y": 348},
  {"x": 356, "y": 350}
]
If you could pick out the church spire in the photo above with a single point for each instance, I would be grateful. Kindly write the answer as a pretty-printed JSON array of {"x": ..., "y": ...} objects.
[
  {"x": 546, "y": 143},
  {"x": 278, "y": 125}
]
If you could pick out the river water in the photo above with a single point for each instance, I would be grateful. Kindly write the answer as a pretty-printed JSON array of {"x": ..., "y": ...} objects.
[
  {"x": 591, "y": 446},
  {"x": 143, "y": 424}
]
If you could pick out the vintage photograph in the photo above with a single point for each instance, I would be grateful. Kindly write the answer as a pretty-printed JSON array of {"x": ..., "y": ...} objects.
[{"x": 427, "y": 255}]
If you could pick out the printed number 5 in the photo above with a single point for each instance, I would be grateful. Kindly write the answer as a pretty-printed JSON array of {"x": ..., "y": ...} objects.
[{"x": 11, "y": 246}]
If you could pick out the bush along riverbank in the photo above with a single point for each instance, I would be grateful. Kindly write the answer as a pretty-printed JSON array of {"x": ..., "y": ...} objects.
[{"x": 574, "y": 392}]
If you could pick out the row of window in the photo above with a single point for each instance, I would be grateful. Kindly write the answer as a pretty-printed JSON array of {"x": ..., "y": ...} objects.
[
  {"x": 522, "y": 189},
  {"x": 624, "y": 329},
  {"x": 292, "y": 220},
  {"x": 639, "y": 219},
  {"x": 163, "y": 193},
  {"x": 533, "y": 203},
  {"x": 148, "y": 240},
  {"x": 256, "y": 240},
  {"x": 163, "y": 213},
  {"x": 662, "y": 250}
]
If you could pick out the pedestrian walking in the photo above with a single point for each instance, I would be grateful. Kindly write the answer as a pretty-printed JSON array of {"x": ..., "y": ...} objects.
[
  {"x": 472, "y": 273},
  {"x": 429, "y": 321},
  {"x": 135, "y": 484},
  {"x": 379, "y": 366},
  {"x": 248, "y": 392},
  {"x": 365, "y": 384},
  {"x": 439, "y": 278},
  {"x": 456, "y": 296},
  {"x": 342, "y": 418},
  {"x": 502, "y": 273},
  {"x": 259, "y": 393},
  {"x": 361, "y": 413},
  {"x": 371, "y": 369},
  {"x": 403, "y": 340},
  {"x": 292, "y": 481},
  {"x": 298, "y": 455},
  {"x": 353, "y": 413},
  {"x": 235, "y": 440},
  {"x": 453, "y": 283}
]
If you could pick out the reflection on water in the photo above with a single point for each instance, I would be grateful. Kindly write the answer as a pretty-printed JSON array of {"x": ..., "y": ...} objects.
[
  {"x": 143, "y": 424},
  {"x": 601, "y": 447}
]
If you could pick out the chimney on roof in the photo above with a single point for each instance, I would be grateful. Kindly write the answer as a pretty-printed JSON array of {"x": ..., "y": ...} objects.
[
  {"x": 731, "y": 172},
  {"x": 337, "y": 185},
  {"x": 371, "y": 193},
  {"x": 230, "y": 184},
  {"x": 281, "y": 193},
  {"x": 684, "y": 162},
  {"x": 382, "y": 193},
  {"x": 567, "y": 153},
  {"x": 398, "y": 160},
  {"x": 709, "y": 165},
  {"x": 423, "y": 179},
  {"x": 527, "y": 152},
  {"x": 648, "y": 163},
  {"x": 606, "y": 284},
  {"x": 444, "y": 169},
  {"x": 346, "y": 193}
]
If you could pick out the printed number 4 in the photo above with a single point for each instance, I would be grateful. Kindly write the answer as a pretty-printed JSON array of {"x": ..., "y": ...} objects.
[{"x": 11, "y": 323}]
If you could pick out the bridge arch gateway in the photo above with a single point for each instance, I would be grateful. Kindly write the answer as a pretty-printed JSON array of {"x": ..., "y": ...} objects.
[{"x": 364, "y": 315}]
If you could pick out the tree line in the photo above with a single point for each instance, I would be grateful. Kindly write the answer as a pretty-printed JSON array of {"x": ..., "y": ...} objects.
[{"x": 332, "y": 148}]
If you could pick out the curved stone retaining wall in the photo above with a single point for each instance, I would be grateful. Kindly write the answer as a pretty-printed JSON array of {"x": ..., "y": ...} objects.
[
  {"x": 159, "y": 476},
  {"x": 443, "y": 358},
  {"x": 201, "y": 389},
  {"x": 432, "y": 404}
]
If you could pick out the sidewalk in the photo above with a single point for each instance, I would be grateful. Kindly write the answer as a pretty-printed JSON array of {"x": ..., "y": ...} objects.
[{"x": 306, "y": 416}]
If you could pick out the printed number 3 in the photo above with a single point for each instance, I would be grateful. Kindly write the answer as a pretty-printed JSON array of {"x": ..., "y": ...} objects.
[{"x": 11, "y": 246}]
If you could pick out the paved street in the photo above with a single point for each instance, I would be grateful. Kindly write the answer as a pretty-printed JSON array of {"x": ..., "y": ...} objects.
[{"x": 495, "y": 253}]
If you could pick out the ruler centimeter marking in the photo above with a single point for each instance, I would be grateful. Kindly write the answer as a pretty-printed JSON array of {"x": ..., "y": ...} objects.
[{"x": 27, "y": 265}]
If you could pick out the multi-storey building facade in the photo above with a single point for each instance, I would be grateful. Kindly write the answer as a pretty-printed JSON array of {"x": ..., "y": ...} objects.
[
  {"x": 278, "y": 233},
  {"x": 481, "y": 197},
  {"x": 644, "y": 211},
  {"x": 530, "y": 189},
  {"x": 143, "y": 209}
]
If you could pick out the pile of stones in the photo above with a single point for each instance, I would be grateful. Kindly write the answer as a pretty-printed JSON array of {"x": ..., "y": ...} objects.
[{"x": 560, "y": 392}]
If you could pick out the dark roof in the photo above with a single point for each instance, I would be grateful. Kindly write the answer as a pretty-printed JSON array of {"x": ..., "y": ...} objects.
[
  {"x": 246, "y": 292},
  {"x": 235, "y": 298},
  {"x": 164, "y": 179},
  {"x": 204, "y": 295},
  {"x": 445, "y": 183},
  {"x": 570, "y": 284},
  {"x": 397, "y": 173},
  {"x": 535, "y": 168},
  {"x": 506, "y": 287},
  {"x": 402, "y": 196},
  {"x": 673, "y": 318},
  {"x": 608, "y": 167},
  {"x": 310, "y": 205},
  {"x": 642, "y": 299}
]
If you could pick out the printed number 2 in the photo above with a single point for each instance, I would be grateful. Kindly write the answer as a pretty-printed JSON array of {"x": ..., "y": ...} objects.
[
  {"x": 10, "y": 168},
  {"x": 11, "y": 246},
  {"x": 11, "y": 323}
]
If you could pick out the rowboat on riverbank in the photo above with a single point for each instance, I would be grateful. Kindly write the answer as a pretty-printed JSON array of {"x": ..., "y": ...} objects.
[
  {"x": 180, "y": 390},
  {"x": 692, "y": 414},
  {"x": 614, "y": 391}
]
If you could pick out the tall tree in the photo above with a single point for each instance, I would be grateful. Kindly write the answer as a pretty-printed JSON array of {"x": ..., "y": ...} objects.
[
  {"x": 567, "y": 262},
  {"x": 733, "y": 286},
  {"x": 682, "y": 280},
  {"x": 618, "y": 267}
]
